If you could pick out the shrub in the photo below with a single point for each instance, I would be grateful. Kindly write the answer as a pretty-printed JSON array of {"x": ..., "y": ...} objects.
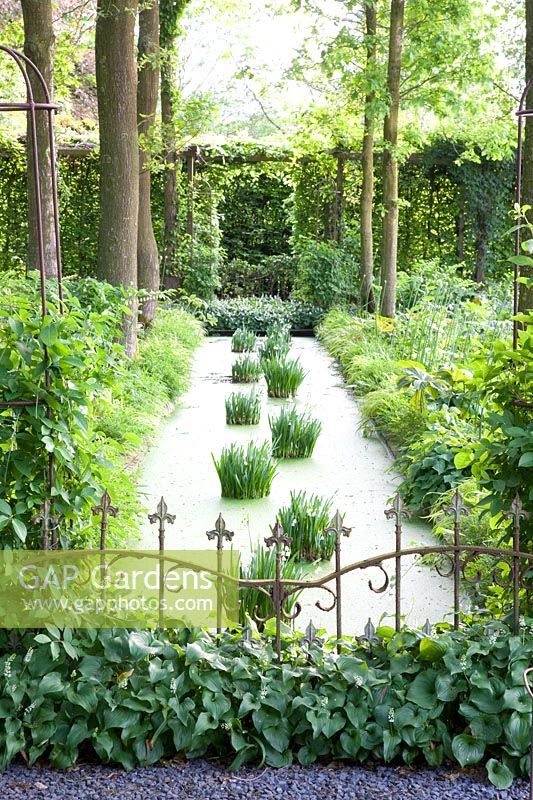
[
  {"x": 305, "y": 520},
  {"x": 243, "y": 409},
  {"x": 257, "y": 313},
  {"x": 85, "y": 363},
  {"x": 246, "y": 370},
  {"x": 294, "y": 435},
  {"x": 428, "y": 464},
  {"x": 242, "y": 341},
  {"x": 272, "y": 275},
  {"x": 393, "y": 416},
  {"x": 453, "y": 696},
  {"x": 254, "y": 605},
  {"x": 283, "y": 376},
  {"x": 246, "y": 473},
  {"x": 323, "y": 273}
]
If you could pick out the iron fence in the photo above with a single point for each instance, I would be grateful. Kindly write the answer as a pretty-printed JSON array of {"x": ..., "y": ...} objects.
[{"x": 511, "y": 567}]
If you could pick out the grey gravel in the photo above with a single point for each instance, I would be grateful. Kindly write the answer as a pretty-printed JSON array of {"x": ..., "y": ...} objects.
[{"x": 203, "y": 780}]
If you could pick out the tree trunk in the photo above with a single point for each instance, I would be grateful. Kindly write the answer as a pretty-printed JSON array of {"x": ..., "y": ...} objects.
[
  {"x": 525, "y": 302},
  {"x": 116, "y": 82},
  {"x": 39, "y": 45},
  {"x": 147, "y": 94},
  {"x": 389, "y": 251},
  {"x": 366, "y": 274}
]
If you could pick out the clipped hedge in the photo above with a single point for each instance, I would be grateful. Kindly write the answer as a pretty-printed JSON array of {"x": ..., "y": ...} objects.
[{"x": 134, "y": 697}]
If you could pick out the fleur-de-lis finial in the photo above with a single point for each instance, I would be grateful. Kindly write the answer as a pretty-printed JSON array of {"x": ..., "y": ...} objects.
[
  {"x": 49, "y": 524},
  {"x": 398, "y": 510},
  {"x": 162, "y": 516},
  {"x": 337, "y": 526},
  {"x": 369, "y": 632},
  {"x": 310, "y": 637},
  {"x": 457, "y": 507},
  {"x": 106, "y": 510},
  {"x": 220, "y": 533},
  {"x": 278, "y": 537},
  {"x": 516, "y": 512}
]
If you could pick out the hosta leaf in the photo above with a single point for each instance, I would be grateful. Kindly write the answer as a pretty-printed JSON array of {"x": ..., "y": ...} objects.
[
  {"x": 467, "y": 750},
  {"x": 422, "y": 690},
  {"x": 499, "y": 775},
  {"x": 431, "y": 650}
]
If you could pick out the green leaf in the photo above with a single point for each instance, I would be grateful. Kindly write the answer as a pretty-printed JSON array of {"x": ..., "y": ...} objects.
[
  {"x": 5, "y": 508},
  {"x": 422, "y": 690},
  {"x": 467, "y": 750},
  {"x": 463, "y": 459},
  {"x": 526, "y": 460},
  {"x": 432, "y": 650},
  {"x": 19, "y": 528},
  {"x": 499, "y": 775},
  {"x": 49, "y": 334},
  {"x": 51, "y": 684}
]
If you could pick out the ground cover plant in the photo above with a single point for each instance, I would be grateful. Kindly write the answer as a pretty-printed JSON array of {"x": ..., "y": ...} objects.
[
  {"x": 246, "y": 370},
  {"x": 283, "y": 376},
  {"x": 246, "y": 473},
  {"x": 243, "y": 341},
  {"x": 454, "y": 696},
  {"x": 243, "y": 409},
  {"x": 294, "y": 434},
  {"x": 306, "y": 520}
]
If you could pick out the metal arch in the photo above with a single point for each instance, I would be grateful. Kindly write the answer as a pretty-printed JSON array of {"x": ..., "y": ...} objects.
[
  {"x": 31, "y": 106},
  {"x": 522, "y": 113}
]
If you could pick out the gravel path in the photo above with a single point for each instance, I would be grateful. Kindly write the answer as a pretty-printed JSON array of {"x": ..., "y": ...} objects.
[{"x": 200, "y": 780}]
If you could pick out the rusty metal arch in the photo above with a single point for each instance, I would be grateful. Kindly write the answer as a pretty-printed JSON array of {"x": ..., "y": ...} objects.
[
  {"x": 31, "y": 107},
  {"x": 522, "y": 114}
]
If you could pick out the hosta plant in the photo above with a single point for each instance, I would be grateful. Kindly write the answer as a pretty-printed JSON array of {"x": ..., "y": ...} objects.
[
  {"x": 283, "y": 376},
  {"x": 246, "y": 473},
  {"x": 294, "y": 435},
  {"x": 246, "y": 370},
  {"x": 243, "y": 409},
  {"x": 243, "y": 341},
  {"x": 455, "y": 697},
  {"x": 306, "y": 520}
]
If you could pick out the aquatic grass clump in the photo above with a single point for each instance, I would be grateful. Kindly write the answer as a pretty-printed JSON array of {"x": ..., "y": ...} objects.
[
  {"x": 306, "y": 520},
  {"x": 243, "y": 408},
  {"x": 277, "y": 343},
  {"x": 253, "y": 604},
  {"x": 246, "y": 473},
  {"x": 294, "y": 435},
  {"x": 246, "y": 370},
  {"x": 283, "y": 376},
  {"x": 243, "y": 341}
]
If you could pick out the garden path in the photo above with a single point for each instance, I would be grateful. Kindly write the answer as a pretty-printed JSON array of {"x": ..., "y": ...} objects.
[{"x": 352, "y": 469}]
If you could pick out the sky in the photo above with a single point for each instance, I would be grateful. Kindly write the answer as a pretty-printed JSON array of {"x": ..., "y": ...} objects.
[{"x": 217, "y": 46}]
